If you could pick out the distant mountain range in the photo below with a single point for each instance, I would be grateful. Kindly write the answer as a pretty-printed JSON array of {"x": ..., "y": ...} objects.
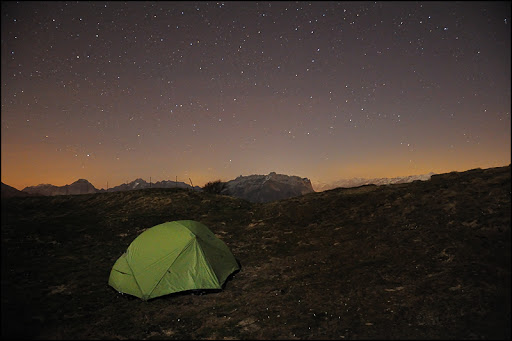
[
  {"x": 83, "y": 186},
  {"x": 254, "y": 188},
  {"x": 140, "y": 184},
  {"x": 356, "y": 182}
]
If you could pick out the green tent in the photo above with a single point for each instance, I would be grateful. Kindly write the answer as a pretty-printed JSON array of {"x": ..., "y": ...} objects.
[{"x": 172, "y": 257}]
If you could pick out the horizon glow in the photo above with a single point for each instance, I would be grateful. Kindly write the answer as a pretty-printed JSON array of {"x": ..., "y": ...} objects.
[{"x": 113, "y": 91}]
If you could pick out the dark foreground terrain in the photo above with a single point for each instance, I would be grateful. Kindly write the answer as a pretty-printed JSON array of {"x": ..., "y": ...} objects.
[{"x": 425, "y": 260}]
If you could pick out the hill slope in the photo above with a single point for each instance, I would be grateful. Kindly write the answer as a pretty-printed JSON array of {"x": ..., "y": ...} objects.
[
  {"x": 424, "y": 260},
  {"x": 9, "y": 191}
]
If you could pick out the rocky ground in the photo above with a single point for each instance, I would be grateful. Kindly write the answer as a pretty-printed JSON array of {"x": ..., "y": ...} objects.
[{"x": 424, "y": 260}]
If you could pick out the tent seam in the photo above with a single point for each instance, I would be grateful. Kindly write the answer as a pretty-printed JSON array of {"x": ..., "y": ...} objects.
[
  {"x": 210, "y": 267},
  {"x": 182, "y": 250},
  {"x": 135, "y": 279}
]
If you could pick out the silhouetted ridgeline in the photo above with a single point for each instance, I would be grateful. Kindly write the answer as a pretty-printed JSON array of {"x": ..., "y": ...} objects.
[
  {"x": 9, "y": 191},
  {"x": 254, "y": 188},
  {"x": 81, "y": 186}
]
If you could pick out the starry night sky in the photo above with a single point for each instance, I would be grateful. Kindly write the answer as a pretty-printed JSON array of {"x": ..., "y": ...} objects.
[{"x": 114, "y": 91}]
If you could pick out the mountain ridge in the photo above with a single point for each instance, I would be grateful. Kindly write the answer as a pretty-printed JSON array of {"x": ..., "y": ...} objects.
[
  {"x": 140, "y": 183},
  {"x": 81, "y": 186},
  {"x": 317, "y": 187},
  {"x": 9, "y": 191}
]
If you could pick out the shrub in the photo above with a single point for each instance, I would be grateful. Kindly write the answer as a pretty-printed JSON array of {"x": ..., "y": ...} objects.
[{"x": 214, "y": 187}]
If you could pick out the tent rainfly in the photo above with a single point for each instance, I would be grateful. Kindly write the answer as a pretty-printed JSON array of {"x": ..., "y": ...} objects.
[{"x": 172, "y": 257}]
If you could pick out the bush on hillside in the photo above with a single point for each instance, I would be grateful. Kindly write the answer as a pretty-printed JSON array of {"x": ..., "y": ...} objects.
[{"x": 214, "y": 187}]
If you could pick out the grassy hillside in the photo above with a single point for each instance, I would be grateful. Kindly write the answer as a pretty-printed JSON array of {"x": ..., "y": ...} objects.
[{"x": 411, "y": 261}]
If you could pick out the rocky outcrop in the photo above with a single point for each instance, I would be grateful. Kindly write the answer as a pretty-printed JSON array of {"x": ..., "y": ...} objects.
[{"x": 266, "y": 188}]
